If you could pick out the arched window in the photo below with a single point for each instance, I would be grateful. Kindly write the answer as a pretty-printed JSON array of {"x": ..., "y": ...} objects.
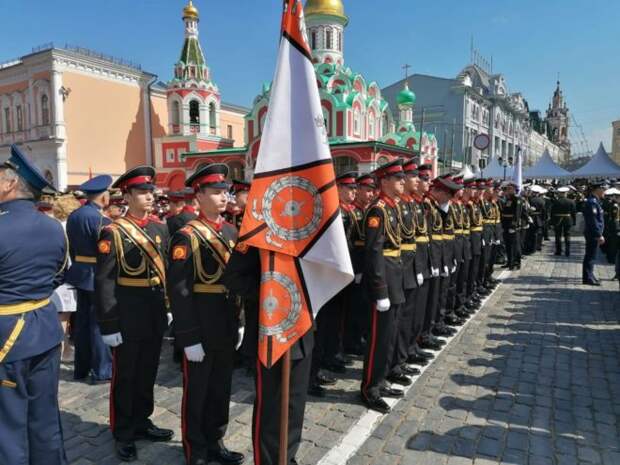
[
  {"x": 20, "y": 118},
  {"x": 212, "y": 117},
  {"x": 176, "y": 113},
  {"x": 340, "y": 41},
  {"x": 313, "y": 40},
  {"x": 563, "y": 132},
  {"x": 194, "y": 112},
  {"x": 356, "y": 122},
  {"x": 386, "y": 124},
  {"x": 328, "y": 39},
  {"x": 327, "y": 120},
  {"x": 345, "y": 164}
]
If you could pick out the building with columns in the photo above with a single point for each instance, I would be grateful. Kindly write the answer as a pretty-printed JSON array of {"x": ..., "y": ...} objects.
[
  {"x": 362, "y": 130},
  {"x": 78, "y": 113}
]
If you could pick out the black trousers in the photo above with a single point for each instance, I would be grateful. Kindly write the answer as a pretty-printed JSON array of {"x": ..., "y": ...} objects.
[
  {"x": 134, "y": 368},
  {"x": 513, "y": 248},
  {"x": 206, "y": 400},
  {"x": 328, "y": 333},
  {"x": 588, "y": 260},
  {"x": 441, "y": 309},
  {"x": 417, "y": 324},
  {"x": 92, "y": 356},
  {"x": 266, "y": 415},
  {"x": 495, "y": 251},
  {"x": 356, "y": 317},
  {"x": 451, "y": 300},
  {"x": 474, "y": 265},
  {"x": 562, "y": 230},
  {"x": 380, "y": 349},
  {"x": 30, "y": 429},
  {"x": 432, "y": 303},
  {"x": 461, "y": 296},
  {"x": 404, "y": 327},
  {"x": 485, "y": 258}
]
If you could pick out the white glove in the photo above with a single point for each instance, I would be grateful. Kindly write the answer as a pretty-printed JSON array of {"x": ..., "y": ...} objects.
[
  {"x": 169, "y": 318},
  {"x": 420, "y": 278},
  {"x": 453, "y": 269},
  {"x": 511, "y": 231},
  {"x": 112, "y": 340},
  {"x": 434, "y": 272},
  {"x": 483, "y": 243},
  {"x": 358, "y": 278},
  {"x": 530, "y": 220},
  {"x": 195, "y": 353},
  {"x": 383, "y": 305},
  {"x": 241, "y": 333},
  {"x": 445, "y": 273},
  {"x": 455, "y": 263}
]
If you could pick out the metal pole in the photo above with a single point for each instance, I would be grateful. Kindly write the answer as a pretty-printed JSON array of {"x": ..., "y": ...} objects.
[
  {"x": 284, "y": 407},
  {"x": 421, "y": 131},
  {"x": 452, "y": 143}
]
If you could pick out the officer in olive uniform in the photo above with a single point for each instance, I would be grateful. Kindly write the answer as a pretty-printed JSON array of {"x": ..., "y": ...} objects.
[
  {"x": 33, "y": 254},
  {"x": 563, "y": 217},
  {"x": 593, "y": 232},
  {"x": 186, "y": 214},
  {"x": 205, "y": 318},
  {"x": 130, "y": 300},
  {"x": 92, "y": 357},
  {"x": 235, "y": 211},
  {"x": 242, "y": 278},
  {"x": 512, "y": 220},
  {"x": 383, "y": 277}
]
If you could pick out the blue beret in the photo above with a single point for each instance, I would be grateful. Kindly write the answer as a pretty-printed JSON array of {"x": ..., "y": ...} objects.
[
  {"x": 27, "y": 171},
  {"x": 97, "y": 184}
]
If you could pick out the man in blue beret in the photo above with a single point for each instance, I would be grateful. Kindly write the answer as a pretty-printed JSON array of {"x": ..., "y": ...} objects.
[
  {"x": 93, "y": 358},
  {"x": 33, "y": 255}
]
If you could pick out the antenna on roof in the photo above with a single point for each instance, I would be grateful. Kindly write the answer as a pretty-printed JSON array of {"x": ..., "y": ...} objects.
[{"x": 406, "y": 68}]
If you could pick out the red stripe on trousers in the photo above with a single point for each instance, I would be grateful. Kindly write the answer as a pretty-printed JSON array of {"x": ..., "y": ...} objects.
[
  {"x": 186, "y": 445},
  {"x": 373, "y": 344},
  {"x": 259, "y": 407}
]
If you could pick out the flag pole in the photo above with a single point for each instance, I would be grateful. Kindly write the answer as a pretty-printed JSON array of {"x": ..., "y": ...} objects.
[{"x": 284, "y": 405}]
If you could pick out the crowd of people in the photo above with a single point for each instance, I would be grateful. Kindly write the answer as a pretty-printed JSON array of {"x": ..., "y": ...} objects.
[{"x": 122, "y": 267}]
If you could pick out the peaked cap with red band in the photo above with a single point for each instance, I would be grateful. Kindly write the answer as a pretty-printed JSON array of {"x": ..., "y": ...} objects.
[
  {"x": 212, "y": 175},
  {"x": 347, "y": 179},
  {"x": 239, "y": 186},
  {"x": 409, "y": 167},
  {"x": 446, "y": 183},
  {"x": 140, "y": 177},
  {"x": 425, "y": 171},
  {"x": 393, "y": 168},
  {"x": 367, "y": 180}
]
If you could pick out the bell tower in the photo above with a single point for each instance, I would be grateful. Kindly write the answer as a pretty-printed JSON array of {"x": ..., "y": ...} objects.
[
  {"x": 557, "y": 120},
  {"x": 193, "y": 99},
  {"x": 325, "y": 23}
]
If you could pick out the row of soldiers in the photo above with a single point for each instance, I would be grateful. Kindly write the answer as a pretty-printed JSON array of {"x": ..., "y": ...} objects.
[{"x": 423, "y": 251}]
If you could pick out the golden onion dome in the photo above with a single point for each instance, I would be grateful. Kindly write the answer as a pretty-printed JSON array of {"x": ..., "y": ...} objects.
[
  {"x": 190, "y": 11},
  {"x": 326, "y": 7}
]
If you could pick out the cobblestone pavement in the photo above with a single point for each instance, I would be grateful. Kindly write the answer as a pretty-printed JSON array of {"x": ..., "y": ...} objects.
[{"x": 534, "y": 378}]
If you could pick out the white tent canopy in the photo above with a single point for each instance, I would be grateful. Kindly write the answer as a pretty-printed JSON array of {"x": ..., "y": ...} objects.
[
  {"x": 466, "y": 172},
  {"x": 545, "y": 168},
  {"x": 497, "y": 171},
  {"x": 599, "y": 166}
]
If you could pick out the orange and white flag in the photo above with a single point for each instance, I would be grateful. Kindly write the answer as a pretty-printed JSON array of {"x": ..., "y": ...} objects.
[{"x": 292, "y": 213}]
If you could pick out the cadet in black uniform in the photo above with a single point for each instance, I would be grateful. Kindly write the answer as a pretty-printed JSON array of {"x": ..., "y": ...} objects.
[
  {"x": 186, "y": 213},
  {"x": 612, "y": 212},
  {"x": 205, "y": 318},
  {"x": 512, "y": 217},
  {"x": 538, "y": 213},
  {"x": 242, "y": 278},
  {"x": 563, "y": 217},
  {"x": 399, "y": 370},
  {"x": 472, "y": 198},
  {"x": 130, "y": 300},
  {"x": 234, "y": 211},
  {"x": 422, "y": 338},
  {"x": 330, "y": 321},
  {"x": 357, "y": 313},
  {"x": 383, "y": 276}
]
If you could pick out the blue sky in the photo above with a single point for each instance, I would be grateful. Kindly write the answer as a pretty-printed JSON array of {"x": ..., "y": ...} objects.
[{"x": 531, "y": 41}]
